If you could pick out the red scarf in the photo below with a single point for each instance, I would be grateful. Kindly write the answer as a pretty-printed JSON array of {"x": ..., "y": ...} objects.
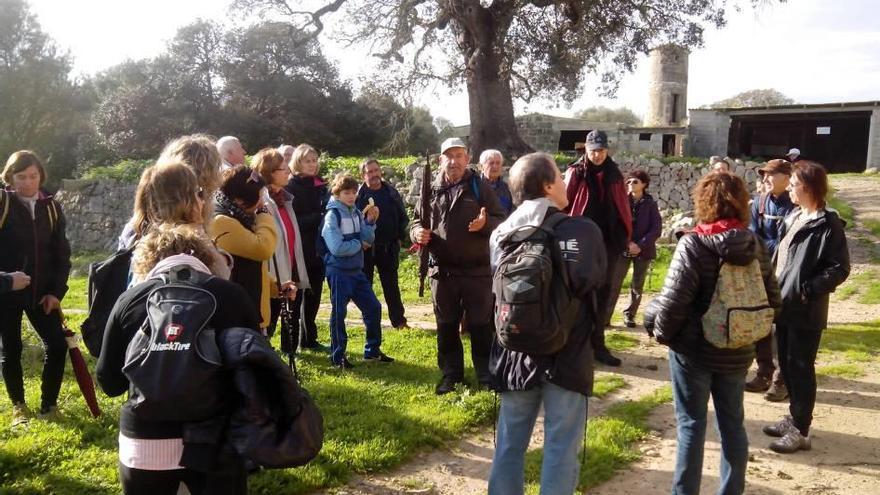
[{"x": 718, "y": 226}]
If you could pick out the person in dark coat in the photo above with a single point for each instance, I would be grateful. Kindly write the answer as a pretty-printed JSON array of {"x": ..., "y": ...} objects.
[
  {"x": 812, "y": 260},
  {"x": 310, "y": 198},
  {"x": 642, "y": 250},
  {"x": 769, "y": 209},
  {"x": 492, "y": 167},
  {"x": 464, "y": 211},
  {"x": 594, "y": 187},
  {"x": 33, "y": 241},
  {"x": 698, "y": 368},
  {"x": 392, "y": 226},
  {"x": 560, "y": 382}
]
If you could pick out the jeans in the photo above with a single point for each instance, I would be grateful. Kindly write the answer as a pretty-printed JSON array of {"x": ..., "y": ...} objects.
[
  {"x": 48, "y": 327},
  {"x": 636, "y": 286},
  {"x": 565, "y": 417},
  {"x": 345, "y": 287},
  {"x": 691, "y": 387},
  {"x": 797, "y": 360},
  {"x": 385, "y": 258}
]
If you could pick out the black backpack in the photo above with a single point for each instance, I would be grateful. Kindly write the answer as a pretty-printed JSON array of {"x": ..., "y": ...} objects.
[
  {"x": 534, "y": 307},
  {"x": 108, "y": 279},
  {"x": 173, "y": 363}
]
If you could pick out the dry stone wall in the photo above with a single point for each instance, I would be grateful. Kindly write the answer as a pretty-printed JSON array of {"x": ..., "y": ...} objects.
[{"x": 96, "y": 212}]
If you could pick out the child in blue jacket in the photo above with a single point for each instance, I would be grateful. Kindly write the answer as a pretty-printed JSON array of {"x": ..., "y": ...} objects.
[{"x": 347, "y": 232}]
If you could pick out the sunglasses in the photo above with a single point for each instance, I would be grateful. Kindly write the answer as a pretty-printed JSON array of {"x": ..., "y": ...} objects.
[{"x": 633, "y": 181}]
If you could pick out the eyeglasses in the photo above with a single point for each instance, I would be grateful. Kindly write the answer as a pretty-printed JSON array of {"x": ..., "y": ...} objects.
[{"x": 633, "y": 181}]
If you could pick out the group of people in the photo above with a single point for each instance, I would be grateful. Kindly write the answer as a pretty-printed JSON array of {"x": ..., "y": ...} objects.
[{"x": 271, "y": 232}]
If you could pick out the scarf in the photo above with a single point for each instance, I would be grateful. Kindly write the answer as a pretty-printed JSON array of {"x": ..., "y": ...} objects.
[
  {"x": 223, "y": 205},
  {"x": 718, "y": 226}
]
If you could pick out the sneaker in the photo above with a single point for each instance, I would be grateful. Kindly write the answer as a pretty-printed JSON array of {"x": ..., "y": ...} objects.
[
  {"x": 780, "y": 428},
  {"x": 607, "y": 359},
  {"x": 345, "y": 364},
  {"x": 50, "y": 413},
  {"x": 445, "y": 386},
  {"x": 791, "y": 442},
  {"x": 381, "y": 358},
  {"x": 20, "y": 414},
  {"x": 629, "y": 322},
  {"x": 776, "y": 393},
  {"x": 759, "y": 383}
]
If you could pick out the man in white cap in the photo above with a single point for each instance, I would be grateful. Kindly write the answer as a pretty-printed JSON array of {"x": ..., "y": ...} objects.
[
  {"x": 464, "y": 211},
  {"x": 794, "y": 155}
]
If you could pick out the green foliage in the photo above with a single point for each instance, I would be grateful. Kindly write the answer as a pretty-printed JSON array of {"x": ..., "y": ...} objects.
[
  {"x": 841, "y": 371},
  {"x": 611, "y": 440},
  {"x": 330, "y": 165},
  {"x": 621, "y": 115},
  {"x": 754, "y": 98},
  {"x": 128, "y": 171},
  {"x": 872, "y": 225}
]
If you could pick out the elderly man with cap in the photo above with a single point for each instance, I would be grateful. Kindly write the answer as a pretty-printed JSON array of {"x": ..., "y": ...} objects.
[
  {"x": 464, "y": 211},
  {"x": 794, "y": 155},
  {"x": 492, "y": 166},
  {"x": 769, "y": 210},
  {"x": 595, "y": 189}
]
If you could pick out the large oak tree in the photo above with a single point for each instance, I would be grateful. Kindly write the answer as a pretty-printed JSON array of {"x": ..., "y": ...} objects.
[{"x": 505, "y": 49}]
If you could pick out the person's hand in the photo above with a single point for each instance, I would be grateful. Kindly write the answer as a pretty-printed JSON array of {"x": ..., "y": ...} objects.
[
  {"x": 634, "y": 249},
  {"x": 288, "y": 290},
  {"x": 372, "y": 214},
  {"x": 365, "y": 245},
  {"x": 20, "y": 280},
  {"x": 423, "y": 236},
  {"x": 478, "y": 223},
  {"x": 49, "y": 303}
]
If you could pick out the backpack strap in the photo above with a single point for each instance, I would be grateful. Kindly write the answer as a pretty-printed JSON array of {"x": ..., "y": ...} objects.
[
  {"x": 475, "y": 187},
  {"x": 52, "y": 211},
  {"x": 4, "y": 207}
]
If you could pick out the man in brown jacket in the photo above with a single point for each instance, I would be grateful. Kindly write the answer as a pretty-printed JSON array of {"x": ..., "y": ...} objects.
[{"x": 464, "y": 211}]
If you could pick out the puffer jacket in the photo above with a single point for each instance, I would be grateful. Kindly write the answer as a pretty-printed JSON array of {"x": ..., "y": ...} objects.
[
  {"x": 675, "y": 316},
  {"x": 584, "y": 258},
  {"x": 35, "y": 245},
  {"x": 817, "y": 262}
]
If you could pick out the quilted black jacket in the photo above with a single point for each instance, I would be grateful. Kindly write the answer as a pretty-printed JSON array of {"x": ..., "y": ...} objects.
[{"x": 675, "y": 316}]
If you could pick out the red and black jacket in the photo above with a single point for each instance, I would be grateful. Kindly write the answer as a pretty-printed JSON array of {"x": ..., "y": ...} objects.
[{"x": 37, "y": 246}]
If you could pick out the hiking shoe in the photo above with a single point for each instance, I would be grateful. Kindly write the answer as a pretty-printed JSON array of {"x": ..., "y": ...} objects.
[
  {"x": 776, "y": 393},
  {"x": 760, "y": 383},
  {"x": 791, "y": 442},
  {"x": 629, "y": 322},
  {"x": 345, "y": 364},
  {"x": 780, "y": 428},
  {"x": 445, "y": 386},
  {"x": 381, "y": 358},
  {"x": 20, "y": 414},
  {"x": 50, "y": 413},
  {"x": 607, "y": 359}
]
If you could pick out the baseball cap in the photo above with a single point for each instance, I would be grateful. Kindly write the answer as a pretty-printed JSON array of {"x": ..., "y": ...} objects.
[
  {"x": 776, "y": 167},
  {"x": 793, "y": 151},
  {"x": 597, "y": 140},
  {"x": 452, "y": 142}
]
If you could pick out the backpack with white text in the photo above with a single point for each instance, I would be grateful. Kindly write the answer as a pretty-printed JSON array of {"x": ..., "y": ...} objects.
[
  {"x": 173, "y": 362},
  {"x": 534, "y": 307},
  {"x": 739, "y": 313}
]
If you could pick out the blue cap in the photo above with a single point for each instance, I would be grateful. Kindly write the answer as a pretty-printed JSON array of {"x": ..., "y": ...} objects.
[{"x": 597, "y": 140}]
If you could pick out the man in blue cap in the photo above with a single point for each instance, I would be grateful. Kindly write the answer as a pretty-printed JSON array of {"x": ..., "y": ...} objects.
[{"x": 595, "y": 189}]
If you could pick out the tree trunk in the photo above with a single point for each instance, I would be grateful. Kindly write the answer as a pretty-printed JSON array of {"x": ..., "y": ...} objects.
[{"x": 489, "y": 95}]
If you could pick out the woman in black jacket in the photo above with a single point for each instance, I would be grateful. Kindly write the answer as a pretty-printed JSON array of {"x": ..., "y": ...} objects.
[
  {"x": 642, "y": 249},
  {"x": 32, "y": 240},
  {"x": 698, "y": 368},
  {"x": 310, "y": 198},
  {"x": 812, "y": 259}
]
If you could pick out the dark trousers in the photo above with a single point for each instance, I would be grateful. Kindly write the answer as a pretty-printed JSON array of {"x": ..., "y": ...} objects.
[
  {"x": 386, "y": 259},
  {"x": 456, "y": 297},
  {"x": 764, "y": 357},
  {"x": 48, "y": 327},
  {"x": 310, "y": 299},
  {"x": 286, "y": 325},
  {"x": 607, "y": 297},
  {"x": 797, "y": 359},
  {"x": 144, "y": 482},
  {"x": 636, "y": 286}
]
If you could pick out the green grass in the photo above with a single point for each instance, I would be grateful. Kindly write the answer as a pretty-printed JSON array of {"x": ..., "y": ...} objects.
[
  {"x": 858, "y": 340},
  {"x": 620, "y": 341},
  {"x": 77, "y": 294},
  {"x": 843, "y": 208},
  {"x": 865, "y": 285},
  {"x": 841, "y": 371},
  {"x": 656, "y": 273},
  {"x": 872, "y": 225},
  {"x": 80, "y": 261},
  {"x": 605, "y": 384},
  {"x": 611, "y": 440},
  {"x": 375, "y": 417}
]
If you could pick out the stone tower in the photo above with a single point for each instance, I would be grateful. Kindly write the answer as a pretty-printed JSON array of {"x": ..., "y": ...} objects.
[{"x": 667, "y": 89}]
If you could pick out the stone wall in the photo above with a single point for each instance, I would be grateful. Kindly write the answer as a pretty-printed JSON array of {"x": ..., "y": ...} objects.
[
  {"x": 708, "y": 133},
  {"x": 96, "y": 212}
]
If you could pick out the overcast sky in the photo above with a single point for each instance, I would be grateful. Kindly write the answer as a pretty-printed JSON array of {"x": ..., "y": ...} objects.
[{"x": 814, "y": 51}]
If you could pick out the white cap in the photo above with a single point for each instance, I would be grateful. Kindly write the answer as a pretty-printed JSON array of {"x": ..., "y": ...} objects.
[
  {"x": 793, "y": 151},
  {"x": 452, "y": 142}
]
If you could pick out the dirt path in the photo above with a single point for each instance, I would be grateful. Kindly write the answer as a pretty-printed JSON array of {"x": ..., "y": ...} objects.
[{"x": 845, "y": 459}]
